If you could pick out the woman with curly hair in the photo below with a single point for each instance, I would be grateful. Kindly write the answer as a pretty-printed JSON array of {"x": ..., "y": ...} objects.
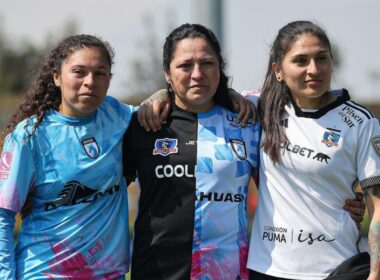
[{"x": 63, "y": 152}]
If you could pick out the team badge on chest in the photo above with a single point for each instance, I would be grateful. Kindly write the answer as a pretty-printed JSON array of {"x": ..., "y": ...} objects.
[
  {"x": 376, "y": 144},
  {"x": 331, "y": 137},
  {"x": 239, "y": 149},
  {"x": 165, "y": 146},
  {"x": 91, "y": 147}
]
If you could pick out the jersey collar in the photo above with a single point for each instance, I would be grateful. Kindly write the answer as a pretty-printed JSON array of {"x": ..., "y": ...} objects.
[{"x": 342, "y": 96}]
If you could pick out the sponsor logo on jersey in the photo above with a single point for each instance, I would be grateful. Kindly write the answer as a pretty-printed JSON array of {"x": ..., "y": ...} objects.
[
  {"x": 238, "y": 146},
  {"x": 168, "y": 171},
  {"x": 91, "y": 147},
  {"x": 191, "y": 143},
  {"x": 283, "y": 235},
  {"x": 219, "y": 197},
  {"x": 331, "y": 137},
  {"x": 74, "y": 193},
  {"x": 232, "y": 119},
  {"x": 165, "y": 146},
  {"x": 5, "y": 165},
  {"x": 306, "y": 152},
  {"x": 376, "y": 144},
  {"x": 349, "y": 116}
]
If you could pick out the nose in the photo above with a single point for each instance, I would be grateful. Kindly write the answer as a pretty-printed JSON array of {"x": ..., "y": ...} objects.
[
  {"x": 313, "y": 67},
  {"x": 197, "y": 73},
  {"x": 89, "y": 79}
]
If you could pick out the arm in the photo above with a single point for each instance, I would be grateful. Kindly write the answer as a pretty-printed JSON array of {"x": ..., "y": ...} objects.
[
  {"x": 154, "y": 110},
  {"x": 372, "y": 196},
  {"x": 7, "y": 256}
]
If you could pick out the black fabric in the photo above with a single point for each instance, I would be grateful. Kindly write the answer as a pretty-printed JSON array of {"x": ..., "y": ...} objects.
[
  {"x": 354, "y": 268},
  {"x": 254, "y": 275},
  {"x": 164, "y": 225}
]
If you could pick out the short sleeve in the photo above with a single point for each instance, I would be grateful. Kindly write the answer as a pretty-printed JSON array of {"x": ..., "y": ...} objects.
[
  {"x": 17, "y": 173},
  {"x": 368, "y": 154}
]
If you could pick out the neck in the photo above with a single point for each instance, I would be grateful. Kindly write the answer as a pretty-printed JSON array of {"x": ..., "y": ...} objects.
[{"x": 315, "y": 103}]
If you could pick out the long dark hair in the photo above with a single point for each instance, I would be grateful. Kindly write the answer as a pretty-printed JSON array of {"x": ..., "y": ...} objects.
[
  {"x": 42, "y": 94},
  {"x": 188, "y": 30},
  {"x": 275, "y": 94}
]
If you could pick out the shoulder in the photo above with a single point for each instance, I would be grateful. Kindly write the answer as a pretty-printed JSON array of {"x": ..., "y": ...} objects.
[
  {"x": 114, "y": 109},
  {"x": 253, "y": 95},
  {"x": 23, "y": 129},
  {"x": 110, "y": 101},
  {"x": 351, "y": 108}
]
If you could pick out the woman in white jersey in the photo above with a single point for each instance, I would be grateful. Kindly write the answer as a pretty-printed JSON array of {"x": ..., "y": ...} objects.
[{"x": 316, "y": 144}]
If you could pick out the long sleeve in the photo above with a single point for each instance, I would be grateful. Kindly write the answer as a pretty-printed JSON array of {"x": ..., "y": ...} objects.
[{"x": 7, "y": 256}]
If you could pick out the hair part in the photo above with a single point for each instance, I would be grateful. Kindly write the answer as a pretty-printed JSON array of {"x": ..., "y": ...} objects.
[
  {"x": 276, "y": 94},
  {"x": 188, "y": 30},
  {"x": 42, "y": 94}
]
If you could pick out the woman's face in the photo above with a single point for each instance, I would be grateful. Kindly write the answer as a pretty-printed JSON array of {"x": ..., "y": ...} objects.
[
  {"x": 194, "y": 74},
  {"x": 84, "y": 80},
  {"x": 306, "y": 69}
]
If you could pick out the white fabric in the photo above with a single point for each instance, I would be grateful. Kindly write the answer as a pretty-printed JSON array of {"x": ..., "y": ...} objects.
[{"x": 300, "y": 229}]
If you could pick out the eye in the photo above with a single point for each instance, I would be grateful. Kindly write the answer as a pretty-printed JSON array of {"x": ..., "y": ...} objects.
[
  {"x": 101, "y": 73},
  {"x": 299, "y": 60},
  {"x": 184, "y": 65},
  {"x": 208, "y": 63},
  {"x": 322, "y": 57},
  {"x": 78, "y": 72}
]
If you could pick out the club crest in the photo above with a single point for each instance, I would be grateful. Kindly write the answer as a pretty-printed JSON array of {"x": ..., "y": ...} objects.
[
  {"x": 165, "y": 146},
  {"x": 239, "y": 149},
  {"x": 91, "y": 147},
  {"x": 331, "y": 138},
  {"x": 376, "y": 144}
]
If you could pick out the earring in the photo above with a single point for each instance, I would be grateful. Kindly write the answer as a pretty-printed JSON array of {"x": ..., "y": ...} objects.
[{"x": 279, "y": 78}]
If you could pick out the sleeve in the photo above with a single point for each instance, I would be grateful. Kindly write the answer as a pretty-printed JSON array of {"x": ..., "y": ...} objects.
[
  {"x": 7, "y": 256},
  {"x": 17, "y": 173},
  {"x": 252, "y": 95},
  {"x": 368, "y": 154},
  {"x": 129, "y": 157}
]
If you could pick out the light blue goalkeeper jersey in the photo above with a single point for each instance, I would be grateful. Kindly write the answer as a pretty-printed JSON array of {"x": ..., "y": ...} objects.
[{"x": 72, "y": 170}]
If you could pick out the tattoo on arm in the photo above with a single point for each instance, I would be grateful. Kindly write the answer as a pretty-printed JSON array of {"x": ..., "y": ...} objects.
[{"x": 374, "y": 245}]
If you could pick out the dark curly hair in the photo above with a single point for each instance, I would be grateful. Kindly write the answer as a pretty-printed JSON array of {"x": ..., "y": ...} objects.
[
  {"x": 42, "y": 94},
  {"x": 188, "y": 30}
]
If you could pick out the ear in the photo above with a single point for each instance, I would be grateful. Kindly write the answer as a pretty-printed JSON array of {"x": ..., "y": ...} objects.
[
  {"x": 277, "y": 71},
  {"x": 167, "y": 77},
  {"x": 56, "y": 77}
]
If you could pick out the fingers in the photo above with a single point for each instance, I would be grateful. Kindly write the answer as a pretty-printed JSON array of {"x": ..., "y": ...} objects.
[
  {"x": 356, "y": 208},
  {"x": 165, "y": 112},
  {"x": 248, "y": 111}
]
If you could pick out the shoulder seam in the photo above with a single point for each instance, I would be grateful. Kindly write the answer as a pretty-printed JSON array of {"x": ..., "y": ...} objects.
[{"x": 360, "y": 108}]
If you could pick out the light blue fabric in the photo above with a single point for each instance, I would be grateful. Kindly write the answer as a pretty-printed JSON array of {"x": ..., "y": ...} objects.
[
  {"x": 72, "y": 169},
  {"x": 7, "y": 258}
]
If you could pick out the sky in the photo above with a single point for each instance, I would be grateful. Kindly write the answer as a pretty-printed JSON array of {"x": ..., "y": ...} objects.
[{"x": 250, "y": 27}]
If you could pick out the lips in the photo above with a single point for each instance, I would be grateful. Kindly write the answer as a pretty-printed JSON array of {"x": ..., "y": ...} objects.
[{"x": 88, "y": 94}]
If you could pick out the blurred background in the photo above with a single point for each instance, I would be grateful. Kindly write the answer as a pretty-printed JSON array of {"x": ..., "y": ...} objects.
[{"x": 137, "y": 30}]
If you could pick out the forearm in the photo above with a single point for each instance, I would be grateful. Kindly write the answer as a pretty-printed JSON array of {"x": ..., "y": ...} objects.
[
  {"x": 374, "y": 246},
  {"x": 7, "y": 256}
]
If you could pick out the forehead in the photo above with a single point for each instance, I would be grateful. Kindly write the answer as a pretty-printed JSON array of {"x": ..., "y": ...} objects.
[
  {"x": 307, "y": 42},
  {"x": 88, "y": 56},
  {"x": 188, "y": 47}
]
